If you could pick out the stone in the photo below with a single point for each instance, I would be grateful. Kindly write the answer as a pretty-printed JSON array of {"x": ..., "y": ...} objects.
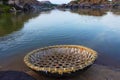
[
  {"x": 0, "y": 67},
  {"x": 96, "y": 72},
  {"x": 89, "y": 4},
  {"x": 14, "y": 75}
]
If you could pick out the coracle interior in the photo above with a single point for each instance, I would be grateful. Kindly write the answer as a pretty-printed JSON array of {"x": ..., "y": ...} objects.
[{"x": 61, "y": 58}]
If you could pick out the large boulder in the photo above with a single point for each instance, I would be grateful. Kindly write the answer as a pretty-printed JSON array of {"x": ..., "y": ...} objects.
[
  {"x": 30, "y": 5},
  {"x": 116, "y": 4},
  {"x": 90, "y": 3}
]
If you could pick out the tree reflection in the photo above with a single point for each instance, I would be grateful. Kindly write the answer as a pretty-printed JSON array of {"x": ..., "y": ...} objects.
[
  {"x": 11, "y": 22},
  {"x": 116, "y": 11}
]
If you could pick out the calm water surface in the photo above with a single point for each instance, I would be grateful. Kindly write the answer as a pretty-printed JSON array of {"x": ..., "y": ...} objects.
[{"x": 22, "y": 33}]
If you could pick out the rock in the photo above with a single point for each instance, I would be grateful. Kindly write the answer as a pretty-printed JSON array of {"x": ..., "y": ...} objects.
[
  {"x": 45, "y": 2},
  {"x": 1, "y": 2},
  {"x": 116, "y": 1},
  {"x": 92, "y": 1},
  {"x": 30, "y": 5},
  {"x": 0, "y": 67},
  {"x": 116, "y": 4},
  {"x": 39, "y": 6},
  {"x": 88, "y": 4},
  {"x": 96, "y": 72},
  {"x": 13, "y": 9},
  {"x": 14, "y": 75}
]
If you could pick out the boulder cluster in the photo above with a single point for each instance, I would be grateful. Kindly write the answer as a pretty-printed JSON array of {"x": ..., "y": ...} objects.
[
  {"x": 92, "y": 4},
  {"x": 27, "y": 5}
]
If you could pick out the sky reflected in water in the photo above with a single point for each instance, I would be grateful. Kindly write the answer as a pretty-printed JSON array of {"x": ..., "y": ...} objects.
[{"x": 99, "y": 32}]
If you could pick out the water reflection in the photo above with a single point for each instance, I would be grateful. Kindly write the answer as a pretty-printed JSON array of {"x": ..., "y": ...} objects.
[
  {"x": 13, "y": 22},
  {"x": 90, "y": 12},
  {"x": 11, "y": 29},
  {"x": 30, "y": 31},
  {"x": 116, "y": 11},
  {"x": 95, "y": 12}
]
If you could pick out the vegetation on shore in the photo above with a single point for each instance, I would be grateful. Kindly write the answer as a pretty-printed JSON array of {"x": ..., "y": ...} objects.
[{"x": 4, "y": 8}]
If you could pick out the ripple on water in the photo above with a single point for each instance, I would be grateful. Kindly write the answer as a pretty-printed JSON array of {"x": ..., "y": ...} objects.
[{"x": 65, "y": 27}]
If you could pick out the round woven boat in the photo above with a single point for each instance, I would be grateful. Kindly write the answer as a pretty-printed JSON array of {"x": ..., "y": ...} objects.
[{"x": 60, "y": 59}]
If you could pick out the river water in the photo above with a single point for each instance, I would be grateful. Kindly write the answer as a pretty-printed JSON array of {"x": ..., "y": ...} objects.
[{"x": 23, "y": 32}]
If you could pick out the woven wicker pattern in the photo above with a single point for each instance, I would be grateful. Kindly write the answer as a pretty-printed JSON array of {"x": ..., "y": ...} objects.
[{"x": 60, "y": 59}]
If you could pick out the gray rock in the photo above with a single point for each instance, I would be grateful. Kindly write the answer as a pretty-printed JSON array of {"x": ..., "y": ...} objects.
[
  {"x": 14, "y": 75},
  {"x": 96, "y": 72}
]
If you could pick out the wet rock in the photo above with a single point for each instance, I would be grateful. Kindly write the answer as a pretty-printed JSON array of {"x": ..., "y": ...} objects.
[
  {"x": 13, "y": 9},
  {"x": 14, "y": 75},
  {"x": 0, "y": 67},
  {"x": 96, "y": 72}
]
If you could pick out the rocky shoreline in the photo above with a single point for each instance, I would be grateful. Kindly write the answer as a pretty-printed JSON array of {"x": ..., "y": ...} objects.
[
  {"x": 96, "y": 72},
  {"x": 25, "y": 5},
  {"x": 92, "y": 4},
  {"x": 34, "y": 5}
]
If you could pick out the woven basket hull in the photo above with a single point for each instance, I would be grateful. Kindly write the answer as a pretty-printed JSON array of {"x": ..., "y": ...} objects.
[
  {"x": 76, "y": 73},
  {"x": 61, "y": 60}
]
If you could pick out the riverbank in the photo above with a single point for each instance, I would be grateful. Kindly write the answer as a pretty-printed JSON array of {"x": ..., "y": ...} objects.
[
  {"x": 91, "y": 4},
  {"x": 4, "y": 8},
  {"x": 26, "y": 6},
  {"x": 63, "y": 27},
  {"x": 37, "y": 6},
  {"x": 96, "y": 72}
]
